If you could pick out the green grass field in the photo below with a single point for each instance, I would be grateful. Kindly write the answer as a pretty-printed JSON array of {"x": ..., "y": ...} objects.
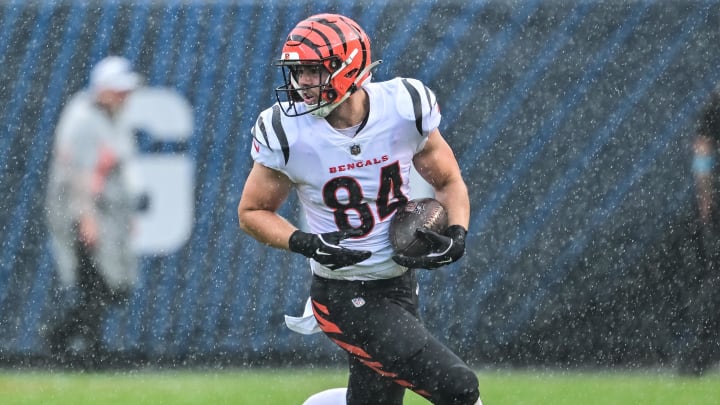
[{"x": 292, "y": 386}]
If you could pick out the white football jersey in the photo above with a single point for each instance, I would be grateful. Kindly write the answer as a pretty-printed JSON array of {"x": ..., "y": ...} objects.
[{"x": 352, "y": 182}]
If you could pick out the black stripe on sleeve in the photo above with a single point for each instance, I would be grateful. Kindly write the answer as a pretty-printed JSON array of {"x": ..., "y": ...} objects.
[
  {"x": 417, "y": 104},
  {"x": 428, "y": 94},
  {"x": 280, "y": 132},
  {"x": 263, "y": 131}
]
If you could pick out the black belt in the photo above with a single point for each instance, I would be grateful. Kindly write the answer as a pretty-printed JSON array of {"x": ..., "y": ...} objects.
[{"x": 384, "y": 283}]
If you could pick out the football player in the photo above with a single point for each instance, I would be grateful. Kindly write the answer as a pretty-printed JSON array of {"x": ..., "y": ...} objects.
[{"x": 346, "y": 145}]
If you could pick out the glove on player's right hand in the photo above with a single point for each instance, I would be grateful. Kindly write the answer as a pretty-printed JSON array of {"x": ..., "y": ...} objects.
[
  {"x": 324, "y": 248},
  {"x": 444, "y": 249}
]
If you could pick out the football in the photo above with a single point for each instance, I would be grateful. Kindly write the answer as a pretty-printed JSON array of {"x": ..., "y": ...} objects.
[{"x": 418, "y": 213}]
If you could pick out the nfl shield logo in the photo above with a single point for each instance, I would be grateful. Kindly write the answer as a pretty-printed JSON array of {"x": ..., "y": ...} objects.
[
  {"x": 358, "y": 302},
  {"x": 355, "y": 149}
]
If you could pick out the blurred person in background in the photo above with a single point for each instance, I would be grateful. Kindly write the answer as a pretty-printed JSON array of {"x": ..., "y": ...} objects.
[
  {"x": 92, "y": 197},
  {"x": 702, "y": 349}
]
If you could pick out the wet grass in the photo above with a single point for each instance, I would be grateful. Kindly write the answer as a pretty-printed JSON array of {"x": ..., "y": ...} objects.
[
  {"x": 293, "y": 386},
  {"x": 601, "y": 388}
]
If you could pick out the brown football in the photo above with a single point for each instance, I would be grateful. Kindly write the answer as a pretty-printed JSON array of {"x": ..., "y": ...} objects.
[{"x": 418, "y": 213}]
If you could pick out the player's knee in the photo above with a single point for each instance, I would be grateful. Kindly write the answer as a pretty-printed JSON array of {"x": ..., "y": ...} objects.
[{"x": 461, "y": 387}]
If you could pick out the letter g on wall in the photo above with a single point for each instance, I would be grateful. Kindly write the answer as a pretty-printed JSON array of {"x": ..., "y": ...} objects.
[{"x": 162, "y": 120}]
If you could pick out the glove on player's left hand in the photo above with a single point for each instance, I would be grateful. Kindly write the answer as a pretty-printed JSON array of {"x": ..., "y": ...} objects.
[
  {"x": 444, "y": 249},
  {"x": 325, "y": 248}
]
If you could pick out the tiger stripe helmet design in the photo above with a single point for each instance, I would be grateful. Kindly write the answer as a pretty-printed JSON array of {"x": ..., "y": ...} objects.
[{"x": 337, "y": 44}]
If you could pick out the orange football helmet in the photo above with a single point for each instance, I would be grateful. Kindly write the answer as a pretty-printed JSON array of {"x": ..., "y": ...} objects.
[{"x": 339, "y": 46}]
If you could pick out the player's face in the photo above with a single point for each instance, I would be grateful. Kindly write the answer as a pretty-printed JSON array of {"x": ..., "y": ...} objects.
[{"x": 309, "y": 79}]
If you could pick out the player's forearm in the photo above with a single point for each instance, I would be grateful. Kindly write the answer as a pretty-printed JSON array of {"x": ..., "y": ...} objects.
[
  {"x": 267, "y": 227},
  {"x": 454, "y": 196}
]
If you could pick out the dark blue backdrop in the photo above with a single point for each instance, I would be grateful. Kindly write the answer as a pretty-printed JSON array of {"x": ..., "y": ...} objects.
[{"x": 570, "y": 120}]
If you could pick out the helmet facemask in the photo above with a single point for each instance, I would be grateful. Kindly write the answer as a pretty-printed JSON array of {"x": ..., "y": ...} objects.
[{"x": 290, "y": 91}]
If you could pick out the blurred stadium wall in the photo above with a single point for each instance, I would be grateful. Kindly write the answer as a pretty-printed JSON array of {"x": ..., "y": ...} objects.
[{"x": 570, "y": 119}]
